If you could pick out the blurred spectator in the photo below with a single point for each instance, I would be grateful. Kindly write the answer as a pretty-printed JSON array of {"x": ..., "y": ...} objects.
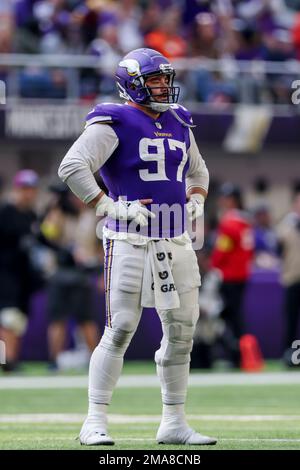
[
  {"x": 106, "y": 48},
  {"x": 266, "y": 12},
  {"x": 129, "y": 33},
  {"x": 166, "y": 38},
  {"x": 289, "y": 236},
  {"x": 265, "y": 238},
  {"x": 278, "y": 47},
  {"x": 204, "y": 41},
  {"x": 296, "y": 35},
  {"x": 209, "y": 87},
  {"x": 247, "y": 43},
  {"x": 6, "y": 32},
  {"x": 151, "y": 17},
  {"x": 17, "y": 280},
  {"x": 232, "y": 256},
  {"x": 69, "y": 227},
  {"x": 227, "y": 30}
]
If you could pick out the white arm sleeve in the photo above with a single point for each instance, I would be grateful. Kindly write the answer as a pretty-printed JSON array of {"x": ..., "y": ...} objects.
[
  {"x": 88, "y": 153},
  {"x": 197, "y": 174}
]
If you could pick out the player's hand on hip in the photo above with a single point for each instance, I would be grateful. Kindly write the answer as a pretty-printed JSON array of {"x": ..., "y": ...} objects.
[
  {"x": 139, "y": 213},
  {"x": 125, "y": 210},
  {"x": 195, "y": 206},
  {"x": 105, "y": 206}
]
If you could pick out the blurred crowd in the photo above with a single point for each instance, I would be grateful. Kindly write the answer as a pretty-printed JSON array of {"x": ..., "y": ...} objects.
[
  {"x": 241, "y": 30},
  {"x": 55, "y": 249},
  {"x": 239, "y": 242}
]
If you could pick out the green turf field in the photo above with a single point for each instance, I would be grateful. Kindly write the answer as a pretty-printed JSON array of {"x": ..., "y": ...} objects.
[{"x": 241, "y": 416}]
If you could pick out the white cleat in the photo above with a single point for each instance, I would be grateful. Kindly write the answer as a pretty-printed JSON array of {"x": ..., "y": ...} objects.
[
  {"x": 94, "y": 434},
  {"x": 182, "y": 435}
]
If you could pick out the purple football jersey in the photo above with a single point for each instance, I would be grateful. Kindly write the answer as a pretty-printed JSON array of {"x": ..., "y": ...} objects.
[{"x": 150, "y": 162}]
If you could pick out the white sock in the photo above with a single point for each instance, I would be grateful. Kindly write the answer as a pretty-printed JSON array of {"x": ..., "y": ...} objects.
[
  {"x": 96, "y": 409},
  {"x": 104, "y": 372},
  {"x": 171, "y": 412},
  {"x": 174, "y": 381}
]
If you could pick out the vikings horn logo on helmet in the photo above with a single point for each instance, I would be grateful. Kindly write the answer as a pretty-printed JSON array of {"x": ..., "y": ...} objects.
[{"x": 132, "y": 66}]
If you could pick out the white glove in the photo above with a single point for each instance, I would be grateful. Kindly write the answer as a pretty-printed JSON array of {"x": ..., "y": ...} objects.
[
  {"x": 195, "y": 206},
  {"x": 124, "y": 210}
]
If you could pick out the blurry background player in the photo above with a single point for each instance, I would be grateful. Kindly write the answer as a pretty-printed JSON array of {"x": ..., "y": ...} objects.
[
  {"x": 265, "y": 239},
  {"x": 232, "y": 255},
  {"x": 147, "y": 153},
  {"x": 69, "y": 229},
  {"x": 289, "y": 238},
  {"x": 17, "y": 280}
]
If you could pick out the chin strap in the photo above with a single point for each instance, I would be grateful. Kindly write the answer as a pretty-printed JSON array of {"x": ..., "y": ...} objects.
[
  {"x": 158, "y": 109},
  {"x": 185, "y": 124}
]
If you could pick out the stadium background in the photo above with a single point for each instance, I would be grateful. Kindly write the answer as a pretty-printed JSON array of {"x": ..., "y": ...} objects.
[{"x": 236, "y": 63}]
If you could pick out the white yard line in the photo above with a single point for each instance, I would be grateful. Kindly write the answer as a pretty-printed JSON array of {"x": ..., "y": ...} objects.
[
  {"x": 258, "y": 439},
  {"x": 69, "y": 418},
  {"x": 146, "y": 439},
  {"x": 146, "y": 381}
]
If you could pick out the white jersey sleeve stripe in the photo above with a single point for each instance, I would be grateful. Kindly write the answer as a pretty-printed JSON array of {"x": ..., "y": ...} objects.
[{"x": 98, "y": 119}]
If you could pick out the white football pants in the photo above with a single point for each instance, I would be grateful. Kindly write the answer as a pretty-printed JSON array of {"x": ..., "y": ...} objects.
[{"x": 124, "y": 264}]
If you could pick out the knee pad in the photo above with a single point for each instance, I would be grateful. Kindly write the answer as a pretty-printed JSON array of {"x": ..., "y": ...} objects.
[
  {"x": 13, "y": 319},
  {"x": 175, "y": 346},
  {"x": 116, "y": 341},
  {"x": 125, "y": 321},
  {"x": 177, "y": 341}
]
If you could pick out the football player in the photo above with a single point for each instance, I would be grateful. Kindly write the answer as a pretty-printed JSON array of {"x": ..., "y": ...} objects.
[{"x": 148, "y": 158}]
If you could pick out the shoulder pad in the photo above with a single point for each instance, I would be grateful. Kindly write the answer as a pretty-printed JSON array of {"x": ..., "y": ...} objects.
[
  {"x": 182, "y": 115},
  {"x": 105, "y": 113}
]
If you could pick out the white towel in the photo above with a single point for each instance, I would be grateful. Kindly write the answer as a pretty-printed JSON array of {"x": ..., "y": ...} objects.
[{"x": 158, "y": 289}]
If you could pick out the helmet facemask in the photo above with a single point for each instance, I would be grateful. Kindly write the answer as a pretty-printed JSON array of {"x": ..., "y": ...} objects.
[{"x": 170, "y": 94}]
